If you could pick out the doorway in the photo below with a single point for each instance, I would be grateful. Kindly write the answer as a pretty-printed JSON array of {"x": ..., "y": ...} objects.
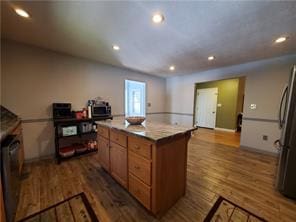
[
  {"x": 206, "y": 107},
  {"x": 218, "y": 107}
]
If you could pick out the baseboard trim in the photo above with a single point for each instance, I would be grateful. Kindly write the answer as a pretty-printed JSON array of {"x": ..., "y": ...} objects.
[
  {"x": 36, "y": 159},
  {"x": 256, "y": 150},
  {"x": 224, "y": 129}
]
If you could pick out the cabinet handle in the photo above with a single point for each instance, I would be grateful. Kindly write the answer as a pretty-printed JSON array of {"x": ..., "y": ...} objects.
[
  {"x": 137, "y": 147},
  {"x": 137, "y": 167}
]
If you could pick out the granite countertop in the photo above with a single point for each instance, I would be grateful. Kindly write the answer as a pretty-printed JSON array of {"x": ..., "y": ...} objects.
[
  {"x": 9, "y": 122},
  {"x": 150, "y": 130}
]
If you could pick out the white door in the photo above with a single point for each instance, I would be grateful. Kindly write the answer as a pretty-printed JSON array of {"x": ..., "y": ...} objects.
[
  {"x": 135, "y": 101},
  {"x": 206, "y": 107}
]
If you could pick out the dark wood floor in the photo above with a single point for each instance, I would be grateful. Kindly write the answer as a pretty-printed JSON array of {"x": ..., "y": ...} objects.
[{"x": 214, "y": 169}]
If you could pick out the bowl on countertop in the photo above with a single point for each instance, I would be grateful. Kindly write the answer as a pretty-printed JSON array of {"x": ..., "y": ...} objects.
[{"x": 135, "y": 120}]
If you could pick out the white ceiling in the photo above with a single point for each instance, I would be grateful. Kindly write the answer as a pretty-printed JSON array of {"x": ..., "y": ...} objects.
[{"x": 235, "y": 32}]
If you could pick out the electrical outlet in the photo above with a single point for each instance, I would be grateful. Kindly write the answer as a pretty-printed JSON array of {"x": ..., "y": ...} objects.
[
  {"x": 253, "y": 106},
  {"x": 265, "y": 137}
]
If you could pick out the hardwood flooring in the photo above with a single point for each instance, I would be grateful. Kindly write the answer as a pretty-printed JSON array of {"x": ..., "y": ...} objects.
[
  {"x": 214, "y": 169},
  {"x": 75, "y": 208},
  {"x": 219, "y": 137}
]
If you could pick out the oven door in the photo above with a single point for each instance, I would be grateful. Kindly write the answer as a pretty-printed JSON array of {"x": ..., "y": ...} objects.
[
  {"x": 99, "y": 111},
  {"x": 10, "y": 176}
]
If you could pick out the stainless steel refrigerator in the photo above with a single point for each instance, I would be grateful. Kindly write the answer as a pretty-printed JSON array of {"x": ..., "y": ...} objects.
[{"x": 286, "y": 177}]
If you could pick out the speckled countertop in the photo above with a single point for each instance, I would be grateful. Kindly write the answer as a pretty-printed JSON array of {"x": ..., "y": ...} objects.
[
  {"x": 8, "y": 122},
  {"x": 150, "y": 130}
]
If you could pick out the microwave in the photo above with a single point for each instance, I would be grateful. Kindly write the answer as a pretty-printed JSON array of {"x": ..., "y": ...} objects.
[{"x": 101, "y": 110}]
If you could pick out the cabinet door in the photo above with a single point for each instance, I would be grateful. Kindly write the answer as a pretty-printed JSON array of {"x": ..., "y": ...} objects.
[
  {"x": 103, "y": 131},
  {"x": 118, "y": 163},
  {"x": 104, "y": 154},
  {"x": 140, "y": 190},
  {"x": 118, "y": 137}
]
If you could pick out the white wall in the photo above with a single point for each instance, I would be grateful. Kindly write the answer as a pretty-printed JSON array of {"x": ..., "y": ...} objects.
[
  {"x": 264, "y": 82},
  {"x": 34, "y": 78},
  {"x": 263, "y": 88}
]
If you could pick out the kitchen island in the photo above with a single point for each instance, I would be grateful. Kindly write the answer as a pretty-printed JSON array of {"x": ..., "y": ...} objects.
[{"x": 149, "y": 160}]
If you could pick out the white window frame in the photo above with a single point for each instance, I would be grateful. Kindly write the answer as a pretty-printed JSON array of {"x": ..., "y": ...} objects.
[{"x": 143, "y": 102}]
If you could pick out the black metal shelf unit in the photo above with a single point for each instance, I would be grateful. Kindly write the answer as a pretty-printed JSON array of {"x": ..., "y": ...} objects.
[{"x": 73, "y": 122}]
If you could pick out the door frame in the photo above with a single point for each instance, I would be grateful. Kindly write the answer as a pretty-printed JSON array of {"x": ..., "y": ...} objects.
[
  {"x": 194, "y": 101},
  {"x": 124, "y": 96},
  {"x": 234, "y": 77},
  {"x": 195, "y": 104}
]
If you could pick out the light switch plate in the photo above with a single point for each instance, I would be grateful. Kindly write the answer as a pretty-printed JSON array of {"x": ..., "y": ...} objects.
[{"x": 253, "y": 106}]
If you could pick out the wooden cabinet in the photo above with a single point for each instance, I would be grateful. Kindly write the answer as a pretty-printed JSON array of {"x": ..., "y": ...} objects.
[
  {"x": 140, "y": 146},
  {"x": 118, "y": 163},
  {"x": 104, "y": 154},
  {"x": 113, "y": 153},
  {"x": 139, "y": 162},
  {"x": 103, "y": 131},
  {"x": 141, "y": 191},
  {"x": 118, "y": 156},
  {"x": 139, "y": 167},
  {"x": 118, "y": 137},
  {"x": 154, "y": 172},
  {"x": 103, "y": 147}
]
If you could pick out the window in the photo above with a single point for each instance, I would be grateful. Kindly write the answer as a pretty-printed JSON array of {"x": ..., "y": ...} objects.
[{"x": 135, "y": 98}]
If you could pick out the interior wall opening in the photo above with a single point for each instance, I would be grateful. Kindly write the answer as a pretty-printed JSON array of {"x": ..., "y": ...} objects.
[{"x": 218, "y": 109}]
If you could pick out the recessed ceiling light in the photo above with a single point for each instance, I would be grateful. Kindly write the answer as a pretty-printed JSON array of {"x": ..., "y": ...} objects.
[
  {"x": 157, "y": 18},
  {"x": 115, "y": 47},
  {"x": 211, "y": 57},
  {"x": 22, "y": 12},
  {"x": 172, "y": 68},
  {"x": 280, "y": 39}
]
